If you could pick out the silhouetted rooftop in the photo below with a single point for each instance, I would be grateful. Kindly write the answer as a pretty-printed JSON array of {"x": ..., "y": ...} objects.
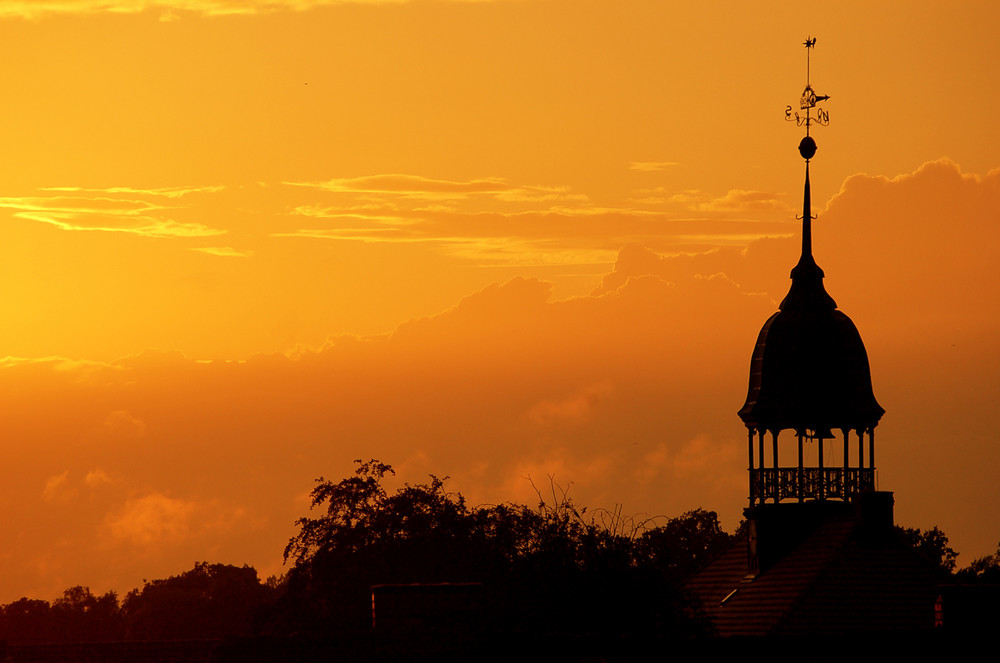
[{"x": 835, "y": 581}]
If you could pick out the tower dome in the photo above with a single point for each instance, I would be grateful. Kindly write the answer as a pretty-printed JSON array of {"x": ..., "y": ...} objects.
[{"x": 809, "y": 370}]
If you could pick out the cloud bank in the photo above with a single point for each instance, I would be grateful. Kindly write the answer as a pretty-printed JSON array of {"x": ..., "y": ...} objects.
[{"x": 130, "y": 469}]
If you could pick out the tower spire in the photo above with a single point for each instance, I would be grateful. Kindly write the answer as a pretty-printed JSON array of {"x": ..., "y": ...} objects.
[{"x": 807, "y": 289}]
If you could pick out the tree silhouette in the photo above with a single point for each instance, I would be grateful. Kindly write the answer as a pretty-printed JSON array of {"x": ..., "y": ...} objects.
[
  {"x": 209, "y": 601},
  {"x": 27, "y": 621},
  {"x": 982, "y": 570},
  {"x": 79, "y": 616},
  {"x": 552, "y": 568},
  {"x": 932, "y": 544},
  {"x": 682, "y": 546}
]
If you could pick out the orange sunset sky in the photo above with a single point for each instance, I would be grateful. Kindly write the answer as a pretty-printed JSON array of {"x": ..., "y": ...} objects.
[{"x": 243, "y": 243}]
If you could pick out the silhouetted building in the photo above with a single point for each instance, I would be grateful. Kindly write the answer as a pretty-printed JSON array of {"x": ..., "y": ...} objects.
[{"x": 819, "y": 554}]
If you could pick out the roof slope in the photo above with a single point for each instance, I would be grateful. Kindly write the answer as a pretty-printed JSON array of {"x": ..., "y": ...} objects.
[{"x": 833, "y": 582}]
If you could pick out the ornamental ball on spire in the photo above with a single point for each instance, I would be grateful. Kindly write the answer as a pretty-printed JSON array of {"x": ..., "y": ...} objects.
[{"x": 807, "y": 148}]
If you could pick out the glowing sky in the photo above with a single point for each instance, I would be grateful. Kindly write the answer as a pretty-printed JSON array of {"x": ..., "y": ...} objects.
[{"x": 244, "y": 243}]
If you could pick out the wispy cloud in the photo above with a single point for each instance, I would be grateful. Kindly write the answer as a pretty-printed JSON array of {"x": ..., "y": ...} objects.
[
  {"x": 743, "y": 201},
  {"x": 108, "y": 213},
  {"x": 41, "y": 8},
  {"x": 423, "y": 188},
  {"x": 383, "y": 209},
  {"x": 166, "y": 192},
  {"x": 351, "y": 215},
  {"x": 651, "y": 166},
  {"x": 490, "y": 220},
  {"x": 58, "y": 489},
  {"x": 223, "y": 251},
  {"x": 152, "y": 518}
]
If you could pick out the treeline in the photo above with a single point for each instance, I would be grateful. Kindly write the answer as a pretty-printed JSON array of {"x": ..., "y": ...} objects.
[
  {"x": 552, "y": 569},
  {"x": 209, "y": 601}
]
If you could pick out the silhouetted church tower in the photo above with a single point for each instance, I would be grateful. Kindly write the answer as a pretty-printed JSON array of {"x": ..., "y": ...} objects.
[
  {"x": 820, "y": 553},
  {"x": 809, "y": 375}
]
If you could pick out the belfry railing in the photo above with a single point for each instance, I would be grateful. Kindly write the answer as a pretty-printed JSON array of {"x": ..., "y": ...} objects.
[{"x": 809, "y": 483}]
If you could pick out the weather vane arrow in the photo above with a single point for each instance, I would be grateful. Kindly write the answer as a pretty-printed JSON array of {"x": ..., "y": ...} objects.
[{"x": 809, "y": 99}]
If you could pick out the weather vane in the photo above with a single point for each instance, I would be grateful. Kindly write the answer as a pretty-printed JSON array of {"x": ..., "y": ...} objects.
[{"x": 809, "y": 99}]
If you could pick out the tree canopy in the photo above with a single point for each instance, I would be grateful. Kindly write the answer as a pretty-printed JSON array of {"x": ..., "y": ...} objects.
[
  {"x": 932, "y": 544},
  {"x": 551, "y": 567}
]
